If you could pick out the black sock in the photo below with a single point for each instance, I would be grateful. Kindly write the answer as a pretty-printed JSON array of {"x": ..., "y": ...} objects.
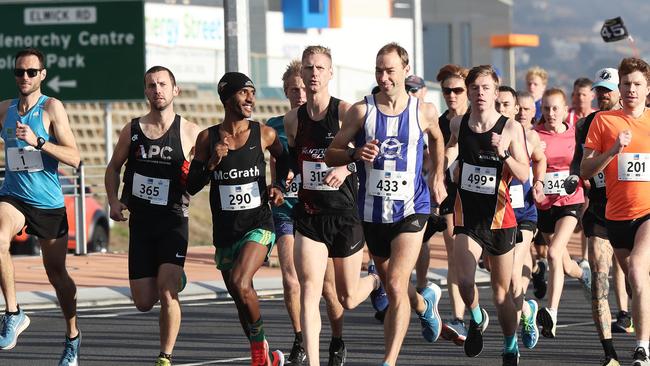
[
  {"x": 165, "y": 355},
  {"x": 75, "y": 337},
  {"x": 336, "y": 343},
  {"x": 15, "y": 312},
  {"x": 608, "y": 347},
  {"x": 298, "y": 337}
]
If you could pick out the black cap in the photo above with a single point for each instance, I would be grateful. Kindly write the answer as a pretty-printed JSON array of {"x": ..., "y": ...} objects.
[{"x": 231, "y": 83}]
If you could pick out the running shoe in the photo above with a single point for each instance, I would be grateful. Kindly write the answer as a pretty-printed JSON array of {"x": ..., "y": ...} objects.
[
  {"x": 70, "y": 356},
  {"x": 640, "y": 357},
  {"x": 548, "y": 321},
  {"x": 529, "y": 331},
  {"x": 609, "y": 361},
  {"x": 261, "y": 356},
  {"x": 623, "y": 323},
  {"x": 182, "y": 282},
  {"x": 430, "y": 318},
  {"x": 162, "y": 361},
  {"x": 10, "y": 328},
  {"x": 380, "y": 315},
  {"x": 297, "y": 355},
  {"x": 474, "y": 342},
  {"x": 586, "y": 278},
  {"x": 539, "y": 279},
  {"x": 338, "y": 354},
  {"x": 510, "y": 359},
  {"x": 378, "y": 297},
  {"x": 454, "y": 331}
]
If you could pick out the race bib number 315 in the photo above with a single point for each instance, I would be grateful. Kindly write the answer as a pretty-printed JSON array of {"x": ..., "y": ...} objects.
[
  {"x": 634, "y": 167},
  {"x": 313, "y": 176},
  {"x": 478, "y": 179}
]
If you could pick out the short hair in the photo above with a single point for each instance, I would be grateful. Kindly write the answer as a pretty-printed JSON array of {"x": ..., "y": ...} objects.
[
  {"x": 451, "y": 71},
  {"x": 293, "y": 69},
  {"x": 537, "y": 71},
  {"x": 159, "y": 68},
  {"x": 525, "y": 94},
  {"x": 394, "y": 47},
  {"x": 482, "y": 70},
  {"x": 631, "y": 64},
  {"x": 317, "y": 50},
  {"x": 507, "y": 89},
  {"x": 30, "y": 52},
  {"x": 555, "y": 91},
  {"x": 582, "y": 83}
]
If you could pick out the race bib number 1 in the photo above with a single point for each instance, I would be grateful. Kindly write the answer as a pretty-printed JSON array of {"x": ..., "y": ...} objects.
[
  {"x": 24, "y": 159},
  {"x": 634, "y": 167},
  {"x": 391, "y": 184},
  {"x": 154, "y": 190},
  {"x": 478, "y": 179},
  {"x": 240, "y": 197},
  {"x": 314, "y": 174}
]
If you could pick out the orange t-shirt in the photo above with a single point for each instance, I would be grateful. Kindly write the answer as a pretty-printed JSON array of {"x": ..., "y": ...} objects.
[{"x": 626, "y": 200}]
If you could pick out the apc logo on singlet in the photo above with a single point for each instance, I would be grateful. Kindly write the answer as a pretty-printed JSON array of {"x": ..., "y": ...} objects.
[
  {"x": 236, "y": 173},
  {"x": 155, "y": 151}
]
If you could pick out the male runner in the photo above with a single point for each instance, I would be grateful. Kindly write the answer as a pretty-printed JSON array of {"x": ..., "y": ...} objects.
[
  {"x": 230, "y": 156},
  {"x": 536, "y": 81},
  {"x": 325, "y": 218},
  {"x": 37, "y": 136},
  {"x": 581, "y": 98},
  {"x": 617, "y": 145},
  {"x": 490, "y": 150},
  {"x": 294, "y": 90},
  {"x": 388, "y": 130},
  {"x": 595, "y": 227},
  {"x": 157, "y": 149}
]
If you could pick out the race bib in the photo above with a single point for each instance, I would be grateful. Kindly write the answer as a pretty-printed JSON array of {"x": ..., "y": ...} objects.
[
  {"x": 240, "y": 197},
  {"x": 554, "y": 182},
  {"x": 391, "y": 184},
  {"x": 634, "y": 167},
  {"x": 24, "y": 159},
  {"x": 478, "y": 179},
  {"x": 314, "y": 174},
  {"x": 292, "y": 188},
  {"x": 517, "y": 196},
  {"x": 154, "y": 190},
  {"x": 599, "y": 179}
]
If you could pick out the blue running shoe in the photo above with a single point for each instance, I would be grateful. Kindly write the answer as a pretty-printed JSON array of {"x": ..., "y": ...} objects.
[
  {"x": 182, "y": 282},
  {"x": 70, "y": 356},
  {"x": 378, "y": 297},
  {"x": 454, "y": 331},
  {"x": 529, "y": 330},
  {"x": 430, "y": 319},
  {"x": 11, "y": 327}
]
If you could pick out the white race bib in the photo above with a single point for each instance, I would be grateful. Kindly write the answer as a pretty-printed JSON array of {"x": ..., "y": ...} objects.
[
  {"x": 24, "y": 159},
  {"x": 554, "y": 182},
  {"x": 314, "y": 174},
  {"x": 478, "y": 179},
  {"x": 240, "y": 197},
  {"x": 391, "y": 184},
  {"x": 292, "y": 188},
  {"x": 517, "y": 196},
  {"x": 634, "y": 167},
  {"x": 154, "y": 190},
  {"x": 599, "y": 179}
]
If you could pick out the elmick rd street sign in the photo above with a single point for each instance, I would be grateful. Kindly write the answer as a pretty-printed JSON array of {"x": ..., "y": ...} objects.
[{"x": 93, "y": 50}]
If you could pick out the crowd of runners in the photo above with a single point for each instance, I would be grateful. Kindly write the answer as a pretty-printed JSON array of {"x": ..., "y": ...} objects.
[{"x": 507, "y": 176}]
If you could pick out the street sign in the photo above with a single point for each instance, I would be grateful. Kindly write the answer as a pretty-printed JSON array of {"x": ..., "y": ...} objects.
[{"x": 93, "y": 50}]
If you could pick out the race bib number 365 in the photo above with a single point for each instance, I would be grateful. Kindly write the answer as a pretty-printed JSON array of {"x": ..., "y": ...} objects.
[
  {"x": 391, "y": 184},
  {"x": 24, "y": 159},
  {"x": 634, "y": 167},
  {"x": 240, "y": 197},
  {"x": 478, "y": 179},
  {"x": 154, "y": 190}
]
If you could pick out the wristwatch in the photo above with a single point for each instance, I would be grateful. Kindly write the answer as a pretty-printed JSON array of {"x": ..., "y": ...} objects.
[
  {"x": 506, "y": 155},
  {"x": 352, "y": 167},
  {"x": 40, "y": 141}
]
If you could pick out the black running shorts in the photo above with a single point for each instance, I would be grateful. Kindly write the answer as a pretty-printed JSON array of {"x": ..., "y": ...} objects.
[
  {"x": 342, "y": 235},
  {"x": 546, "y": 219},
  {"x": 623, "y": 233},
  {"x": 379, "y": 235},
  {"x": 493, "y": 241},
  {"x": 592, "y": 225},
  {"x": 44, "y": 223}
]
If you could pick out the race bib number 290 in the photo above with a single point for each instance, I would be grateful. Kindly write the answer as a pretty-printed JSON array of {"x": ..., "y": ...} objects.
[{"x": 240, "y": 196}]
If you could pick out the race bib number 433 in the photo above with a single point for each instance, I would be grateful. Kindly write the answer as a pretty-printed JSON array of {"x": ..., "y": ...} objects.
[
  {"x": 391, "y": 184},
  {"x": 478, "y": 179},
  {"x": 634, "y": 167}
]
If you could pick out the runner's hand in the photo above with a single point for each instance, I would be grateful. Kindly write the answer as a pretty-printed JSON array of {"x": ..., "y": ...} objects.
[
  {"x": 116, "y": 210},
  {"x": 25, "y": 133},
  {"x": 220, "y": 152},
  {"x": 369, "y": 151},
  {"x": 538, "y": 192},
  {"x": 438, "y": 189},
  {"x": 275, "y": 196},
  {"x": 336, "y": 176},
  {"x": 622, "y": 141},
  {"x": 499, "y": 143}
]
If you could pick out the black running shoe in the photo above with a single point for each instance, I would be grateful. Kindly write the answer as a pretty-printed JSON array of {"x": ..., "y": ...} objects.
[
  {"x": 297, "y": 355},
  {"x": 338, "y": 353},
  {"x": 539, "y": 280},
  {"x": 640, "y": 357},
  {"x": 623, "y": 323},
  {"x": 474, "y": 341},
  {"x": 510, "y": 359}
]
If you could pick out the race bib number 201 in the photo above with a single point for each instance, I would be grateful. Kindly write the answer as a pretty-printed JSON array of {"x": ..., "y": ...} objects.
[{"x": 634, "y": 167}]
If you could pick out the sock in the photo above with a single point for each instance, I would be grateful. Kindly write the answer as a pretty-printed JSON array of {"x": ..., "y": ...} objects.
[
  {"x": 608, "y": 347},
  {"x": 477, "y": 315},
  {"x": 75, "y": 337},
  {"x": 385, "y": 364},
  {"x": 15, "y": 312},
  {"x": 336, "y": 344},
  {"x": 298, "y": 337},
  {"x": 510, "y": 344},
  {"x": 257, "y": 331},
  {"x": 165, "y": 355},
  {"x": 643, "y": 344},
  {"x": 552, "y": 311}
]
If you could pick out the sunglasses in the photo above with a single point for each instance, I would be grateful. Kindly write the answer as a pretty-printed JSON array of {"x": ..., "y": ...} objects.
[
  {"x": 447, "y": 91},
  {"x": 30, "y": 72},
  {"x": 414, "y": 90}
]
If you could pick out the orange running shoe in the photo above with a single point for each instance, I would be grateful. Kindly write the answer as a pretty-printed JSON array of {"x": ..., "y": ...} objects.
[{"x": 260, "y": 355}]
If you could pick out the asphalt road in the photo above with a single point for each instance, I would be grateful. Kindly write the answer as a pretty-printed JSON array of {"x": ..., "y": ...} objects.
[{"x": 210, "y": 335}]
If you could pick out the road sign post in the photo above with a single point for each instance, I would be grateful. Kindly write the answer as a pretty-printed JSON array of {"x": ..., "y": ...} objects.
[{"x": 93, "y": 50}]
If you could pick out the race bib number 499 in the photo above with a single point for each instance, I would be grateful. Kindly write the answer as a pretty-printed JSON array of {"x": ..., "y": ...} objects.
[
  {"x": 478, "y": 179},
  {"x": 634, "y": 167}
]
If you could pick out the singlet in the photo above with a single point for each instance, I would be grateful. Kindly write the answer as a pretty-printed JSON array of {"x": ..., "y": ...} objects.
[
  {"x": 238, "y": 197},
  {"x": 31, "y": 175},
  {"x": 392, "y": 186},
  {"x": 312, "y": 139},
  {"x": 572, "y": 118},
  {"x": 445, "y": 126},
  {"x": 483, "y": 200},
  {"x": 291, "y": 194},
  {"x": 627, "y": 175},
  {"x": 521, "y": 194},
  {"x": 155, "y": 177},
  {"x": 597, "y": 193},
  {"x": 559, "y": 154}
]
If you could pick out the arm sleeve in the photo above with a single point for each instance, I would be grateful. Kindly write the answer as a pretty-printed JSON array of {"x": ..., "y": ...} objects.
[
  {"x": 283, "y": 163},
  {"x": 579, "y": 150},
  {"x": 198, "y": 177}
]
